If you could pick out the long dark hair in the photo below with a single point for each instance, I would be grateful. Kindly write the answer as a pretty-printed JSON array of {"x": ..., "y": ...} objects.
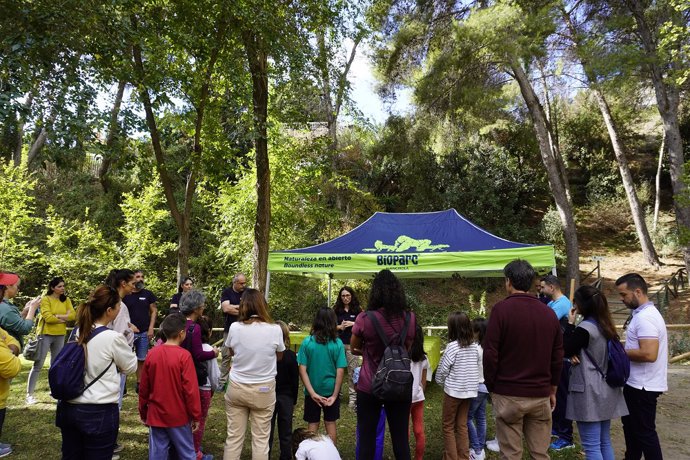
[
  {"x": 184, "y": 280},
  {"x": 100, "y": 299},
  {"x": 460, "y": 329},
  {"x": 116, "y": 277},
  {"x": 592, "y": 304},
  {"x": 354, "y": 306},
  {"x": 299, "y": 435},
  {"x": 388, "y": 294},
  {"x": 417, "y": 353},
  {"x": 51, "y": 287},
  {"x": 324, "y": 328},
  {"x": 479, "y": 328}
]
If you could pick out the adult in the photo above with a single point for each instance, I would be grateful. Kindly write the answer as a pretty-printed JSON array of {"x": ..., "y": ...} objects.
[
  {"x": 143, "y": 313},
  {"x": 523, "y": 358},
  {"x": 387, "y": 302},
  {"x": 592, "y": 403},
  {"x": 186, "y": 285},
  {"x": 89, "y": 423},
  {"x": 10, "y": 318},
  {"x": 561, "y": 426},
  {"x": 256, "y": 344},
  {"x": 230, "y": 305},
  {"x": 346, "y": 310},
  {"x": 56, "y": 310},
  {"x": 646, "y": 344}
]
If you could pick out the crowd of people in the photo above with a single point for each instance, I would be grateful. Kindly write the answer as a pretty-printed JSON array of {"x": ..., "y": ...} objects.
[{"x": 540, "y": 367}]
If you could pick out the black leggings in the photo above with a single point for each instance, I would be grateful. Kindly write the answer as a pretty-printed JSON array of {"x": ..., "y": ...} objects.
[{"x": 398, "y": 416}]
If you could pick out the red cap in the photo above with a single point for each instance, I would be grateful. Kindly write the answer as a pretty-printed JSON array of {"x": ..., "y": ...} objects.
[{"x": 8, "y": 279}]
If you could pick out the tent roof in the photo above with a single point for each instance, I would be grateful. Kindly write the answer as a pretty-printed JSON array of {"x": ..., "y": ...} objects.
[{"x": 430, "y": 244}]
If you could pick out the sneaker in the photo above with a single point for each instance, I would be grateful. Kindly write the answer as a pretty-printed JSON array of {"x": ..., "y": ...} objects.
[
  {"x": 118, "y": 448},
  {"x": 5, "y": 446},
  {"x": 5, "y": 451},
  {"x": 492, "y": 445},
  {"x": 116, "y": 457},
  {"x": 477, "y": 455},
  {"x": 30, "y": 400},
  {"x": 560, "y": 444},
  {"x": 207, "y": 457}
]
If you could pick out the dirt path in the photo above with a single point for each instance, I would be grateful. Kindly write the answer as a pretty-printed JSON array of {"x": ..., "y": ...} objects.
[{"x": 672, "y": 418}]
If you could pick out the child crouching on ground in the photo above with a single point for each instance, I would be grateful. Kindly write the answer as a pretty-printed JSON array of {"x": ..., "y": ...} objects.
[
  {"x": 169, "y": 402},
  {"x": 308, "y": 445}
]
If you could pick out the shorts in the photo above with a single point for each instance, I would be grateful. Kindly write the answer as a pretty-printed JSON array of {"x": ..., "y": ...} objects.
[
  {"x": 141, "y": 345},
  {"x": 312, "y": 411}
]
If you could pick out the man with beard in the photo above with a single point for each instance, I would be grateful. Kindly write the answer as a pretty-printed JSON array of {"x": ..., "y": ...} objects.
[
  {"x": 143, "y": 312},
  {"x": 230, "y": 304},
  {"x": 646, "y": 344}
]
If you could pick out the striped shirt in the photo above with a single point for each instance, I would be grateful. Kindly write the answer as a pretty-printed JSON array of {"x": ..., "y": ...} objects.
[{"x": 460, "y": 371}]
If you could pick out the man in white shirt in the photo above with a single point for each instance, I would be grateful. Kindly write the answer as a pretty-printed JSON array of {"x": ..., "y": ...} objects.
[{"x": 646, "y": 344}]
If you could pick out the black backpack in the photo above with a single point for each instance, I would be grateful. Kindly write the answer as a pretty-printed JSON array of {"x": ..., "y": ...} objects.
[
  {"x": 200, "y": 367},
  {"x": 393, "y": 380}
]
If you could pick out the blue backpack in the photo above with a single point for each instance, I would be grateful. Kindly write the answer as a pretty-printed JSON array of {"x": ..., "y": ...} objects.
[
  {"x": 618, "y": 369},
  {"x": 66, "y": 374}
]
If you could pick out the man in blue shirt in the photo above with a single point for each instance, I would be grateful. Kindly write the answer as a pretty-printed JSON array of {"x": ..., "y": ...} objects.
[{"x": 561, "y": 305}]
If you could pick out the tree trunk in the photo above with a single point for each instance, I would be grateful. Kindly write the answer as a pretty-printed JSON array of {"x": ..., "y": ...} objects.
[
  {"x": 258, "y": 67},
  {"x": 556, "y": 182},
  {"x": 326, "y": 98},
  {"x": 636, "y": 210},
  {"x": 657, "y": 183},
  {"x": 21, "y": 122},
  {"x": 667, "y": 101},
  {"x": 40, "y": 140},
  {"x": 112, "y": 136}
]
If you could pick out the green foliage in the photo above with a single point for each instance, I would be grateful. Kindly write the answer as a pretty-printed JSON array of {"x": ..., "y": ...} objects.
[
  {"x": 18, "y": 237},
  {"x": 552, "y": 228},
  {"x": 79, "y": 252}
]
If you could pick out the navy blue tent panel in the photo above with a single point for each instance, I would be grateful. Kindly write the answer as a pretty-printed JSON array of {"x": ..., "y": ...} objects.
[{"x": 442, "y": 231}]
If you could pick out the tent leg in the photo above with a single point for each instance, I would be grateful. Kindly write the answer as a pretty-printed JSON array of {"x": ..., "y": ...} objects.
[
  {"x": 554, "y": 272},
  {"x": 268, "y": 284},
  {"x": 329, "y": 291}
]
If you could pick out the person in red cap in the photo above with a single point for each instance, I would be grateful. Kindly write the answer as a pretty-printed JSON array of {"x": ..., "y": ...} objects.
[{"x": 10, "y": 318}]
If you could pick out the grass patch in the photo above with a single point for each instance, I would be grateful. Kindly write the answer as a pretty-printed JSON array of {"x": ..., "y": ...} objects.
[{"x": 32, "y": 432}]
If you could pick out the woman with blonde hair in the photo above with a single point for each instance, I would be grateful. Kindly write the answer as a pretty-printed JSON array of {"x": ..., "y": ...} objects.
[{"x": 256, "y": 344}]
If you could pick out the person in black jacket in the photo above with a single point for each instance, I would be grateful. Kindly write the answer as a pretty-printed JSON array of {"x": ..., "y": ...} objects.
[{"x": 287, "y": 384}]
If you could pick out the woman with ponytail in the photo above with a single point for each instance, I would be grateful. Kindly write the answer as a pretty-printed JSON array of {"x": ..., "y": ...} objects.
[
  {"x": 592, "y": 403},
  {"x": 90, "y": 422}
]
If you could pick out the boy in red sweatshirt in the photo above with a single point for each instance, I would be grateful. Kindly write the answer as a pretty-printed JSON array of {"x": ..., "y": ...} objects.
[{"x": 169, "y": 402}]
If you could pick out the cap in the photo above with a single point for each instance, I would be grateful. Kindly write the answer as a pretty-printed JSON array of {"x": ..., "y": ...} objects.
[{"x": 8, "y": 279}]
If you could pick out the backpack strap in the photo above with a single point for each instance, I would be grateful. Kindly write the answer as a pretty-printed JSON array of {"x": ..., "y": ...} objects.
[
  {"x": 94, "y": 333},
  {"x": 382, "y": 335}
]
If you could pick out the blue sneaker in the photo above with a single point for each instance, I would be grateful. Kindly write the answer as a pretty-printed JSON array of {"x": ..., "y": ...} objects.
[
  {"x": 5, "y": 451},
  {"x": 560, "y": 444}
]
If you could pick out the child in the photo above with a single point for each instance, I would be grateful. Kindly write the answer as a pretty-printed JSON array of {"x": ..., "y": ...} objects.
[
  {"x": 322, "y": 364},
  {"x": 419, "y": 366},
  {"x": 169, "y": 401},
  {"x": 459, "y": 373},
  {"x": 308, "y": 445},
  {"x": 287, "y": 384},
  {"x": 211, "y": 385},
  {"x": 477, "y": 413}
]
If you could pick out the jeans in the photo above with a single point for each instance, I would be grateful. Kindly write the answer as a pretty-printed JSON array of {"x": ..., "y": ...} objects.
[
  {"x": 161, "y": 440},
  {"x": 639, "y": 427},
  {"x": 596, "y": 440},
  {"x": 54, "y": 343},
  {"x": 397, "y": 415},
  {"x": 517, "y": 416},
  {"x": 283, "y": 415},
  {"x": 254, "y": 402},
  {"x": 141, "y": 345},
  {"x": 561, "y": 426},
  {"x": 89, "y": 431},
  {"x": 477, "y": 414}
]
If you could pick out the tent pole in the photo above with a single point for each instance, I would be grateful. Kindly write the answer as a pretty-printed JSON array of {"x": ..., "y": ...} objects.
[
  {"x": 329, "y": 291},
  {"x": 268, "y": 284},
  {"x": 554, "y": 272}
]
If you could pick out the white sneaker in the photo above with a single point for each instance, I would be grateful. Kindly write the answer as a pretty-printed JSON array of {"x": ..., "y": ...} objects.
[
  {"x": 481, "y": 455},
  {"x": 492, "y": 445},
  {"x": 30, "y": 400}
]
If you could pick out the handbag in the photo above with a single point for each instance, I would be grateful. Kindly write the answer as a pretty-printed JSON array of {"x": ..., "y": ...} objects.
[{"x": 30, "y": 351}]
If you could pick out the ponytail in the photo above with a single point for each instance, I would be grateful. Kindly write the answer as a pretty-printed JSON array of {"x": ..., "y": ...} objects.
[{"x": 100, "y": 299}]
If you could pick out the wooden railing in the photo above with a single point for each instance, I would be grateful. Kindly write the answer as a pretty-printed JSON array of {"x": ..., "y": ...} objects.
[{"x": 670, "y": 289}]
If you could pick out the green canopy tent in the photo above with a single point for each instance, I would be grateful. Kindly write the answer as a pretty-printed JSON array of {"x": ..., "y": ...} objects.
[{"x": 413, "y": 245}]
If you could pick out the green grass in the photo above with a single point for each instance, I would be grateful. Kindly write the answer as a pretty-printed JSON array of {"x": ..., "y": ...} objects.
[{"x": 32, "y": 432}]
